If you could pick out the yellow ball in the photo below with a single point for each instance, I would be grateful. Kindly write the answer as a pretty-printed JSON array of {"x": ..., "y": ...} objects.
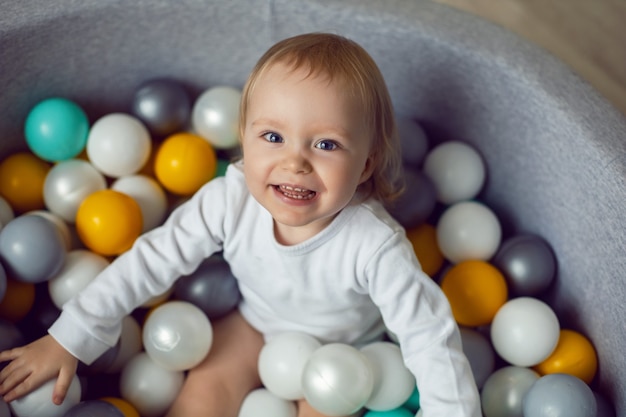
[
  {"x": 184, "y": 163},
  {"x": 574, "y": 355},
  {"x": 127, "y": 409},
  {"x": 108, "y": 222},
  {"x": 424, "y": 241},
  {"x": 476, "y": 290},
  {"x": 22, "y": 176}
]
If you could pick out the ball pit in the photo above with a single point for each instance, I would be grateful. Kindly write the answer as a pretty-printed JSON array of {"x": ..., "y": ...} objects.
[{"x": 553, "y": 148}]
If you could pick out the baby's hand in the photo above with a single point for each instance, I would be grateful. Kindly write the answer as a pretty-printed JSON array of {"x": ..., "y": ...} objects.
[{"x": 33, "y": 365}]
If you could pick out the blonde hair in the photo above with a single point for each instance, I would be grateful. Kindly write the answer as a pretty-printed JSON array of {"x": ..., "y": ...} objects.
[{"x": 344, "y": 60}]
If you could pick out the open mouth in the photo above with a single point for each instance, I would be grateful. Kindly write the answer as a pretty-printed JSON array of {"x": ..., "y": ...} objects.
[{"x": 295, "y": 192}]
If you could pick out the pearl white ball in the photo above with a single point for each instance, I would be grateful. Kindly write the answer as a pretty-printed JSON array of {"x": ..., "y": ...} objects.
[
  {"x": 215, "y": 116},
  {"x": 263, "y": 403}
]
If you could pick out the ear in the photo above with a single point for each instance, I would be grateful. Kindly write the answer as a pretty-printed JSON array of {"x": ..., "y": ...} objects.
[{"x": 368, "y": 170}]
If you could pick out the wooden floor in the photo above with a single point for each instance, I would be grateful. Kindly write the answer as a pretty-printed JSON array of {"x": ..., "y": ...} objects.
[{"x": 588, "y": 35}]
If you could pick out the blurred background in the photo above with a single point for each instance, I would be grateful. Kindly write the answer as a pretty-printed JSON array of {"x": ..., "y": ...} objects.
[{"x": 588, "y": 35}]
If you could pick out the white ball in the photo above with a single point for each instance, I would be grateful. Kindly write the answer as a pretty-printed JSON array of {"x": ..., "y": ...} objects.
[
  {"x": 456, "y": 170},
  {"x": 6, "y": 212},
  {"x": 337, "y": 380},
  {"x": 393, "y": 382},
  {"x": 177, "y": 335},
  {"x": 150, "y": 196},
  {"x": 118, "y": 144},
  {"x": 130, "y": 345},
  {"x": 282, "y": 361},
  {"x": 39, "y": 402},
  {"x": 468, "y": 231},
  {"x": 263, "y": 403},
  {"x": 215, "y": 116},
  {"x": 148, "y": 386},
  {"x": 80, "y": 268},
  {"x": 525, "y": 331},
  {"x": 67, "y": 184}
]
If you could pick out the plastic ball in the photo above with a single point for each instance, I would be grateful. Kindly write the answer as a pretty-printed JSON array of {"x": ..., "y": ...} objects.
[
  {"x": 32, "y": 249},
  {"x": 263, "y": 403},
  {"x": 22, "y": 176},
  {"x": 3, "y": 282},
  {"x": 528, "y": 264},
  {"x": 468, "y": 230},
  {"x": 18, "y": 300},
  {"x": 215, "y": 116},
  {"x": 80, "y": 268},
  {"x": 163, "y": 105},
  {"x": 59, "y": 224},
  {"x": 56, "y": 129},
  {"x": 93, "y": 408},
  {"x": 525, "y": 331},
  {"x": 38, "y": 403},
  {"x": 413, "y": 403},
  {"x": 397, "y": 412},
  {"x": 6, "y": 212},
  {"x": 212, "y": 287},
  {"x": 504, "y": 391},
  {"x": 480, "y": 354},
  {"x": 456, "y": 170},
  {"x": 337, "y": 380},
  {"x": 10, "y": 336},
  {"x": 417, "y": 203},
  {"x": 130, "y": 344},
  {"x": 424, "y": 241},
  {"x": 126, "y": 408},
  {"x": 177, "y": 335},
  {"x": 393, "y": 382},
  {"x": 5, "y": 411},
  {"x": 108, "y": 222},
  {"x": 118, "y": 144},
  {"x": 281, "y": 363},
  {"x": 150, "y": 196},
  {"x": 574, "y": 355},
  {"x": 413, "y": 141},
  {"x": 67, "y": 184},
  {"x": 184, "y": 163},
  {"x": 475, "y": 290},
  {"x": 559, "y": 395},
  {"x": 150, "y": 388}
]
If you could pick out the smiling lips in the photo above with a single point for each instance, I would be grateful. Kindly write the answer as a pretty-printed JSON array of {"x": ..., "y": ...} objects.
[{"x": 295, "y": 192}]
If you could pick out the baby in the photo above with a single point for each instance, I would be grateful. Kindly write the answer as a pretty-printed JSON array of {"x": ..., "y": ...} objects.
[{"x": 300, "y": 219}]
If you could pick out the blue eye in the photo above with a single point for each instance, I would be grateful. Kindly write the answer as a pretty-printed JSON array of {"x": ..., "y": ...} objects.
[
  {"x": 327, "y": 145},
  {"x": 273, "y": 137}
]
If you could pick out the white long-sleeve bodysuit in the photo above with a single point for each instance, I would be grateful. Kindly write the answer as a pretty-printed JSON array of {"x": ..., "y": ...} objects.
[{"x": 338, "y": 286}]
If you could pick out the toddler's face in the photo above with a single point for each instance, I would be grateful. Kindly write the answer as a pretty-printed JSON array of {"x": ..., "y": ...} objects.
[{"x": 306, "y": 148}]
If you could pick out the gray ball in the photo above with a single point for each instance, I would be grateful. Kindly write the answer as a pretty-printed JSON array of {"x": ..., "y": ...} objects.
[
  {"x": 503, "y": 392},
  {"x": 559, "y": 395},
  {"x": 528, "y": 264},
  {"x": 163, "y": 105},
  {"x": 212, "y": 288},
  {"x": 480, "y": 354},
  {"x": 413, "y": 141},
  {"x": 417, "y": 202},
  {"x": 32, "y": 249}
]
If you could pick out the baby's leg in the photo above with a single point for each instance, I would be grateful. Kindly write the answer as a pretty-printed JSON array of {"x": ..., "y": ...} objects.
[{"x": 218, "y": 385}]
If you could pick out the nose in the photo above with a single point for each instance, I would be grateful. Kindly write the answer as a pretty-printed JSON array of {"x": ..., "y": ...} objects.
[{"x": 295, "y": 160}]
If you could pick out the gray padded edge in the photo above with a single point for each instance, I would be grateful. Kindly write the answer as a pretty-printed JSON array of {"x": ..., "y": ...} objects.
[{"x": 556, "y": 150}]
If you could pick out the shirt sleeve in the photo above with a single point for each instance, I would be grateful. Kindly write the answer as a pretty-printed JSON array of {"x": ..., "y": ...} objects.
[
  {"x": 90, "y": 323},
  {"x": 415, "y": 309}
]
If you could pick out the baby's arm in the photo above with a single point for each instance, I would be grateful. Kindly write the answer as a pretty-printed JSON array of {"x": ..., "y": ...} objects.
[{"x": 33, "y": 365}]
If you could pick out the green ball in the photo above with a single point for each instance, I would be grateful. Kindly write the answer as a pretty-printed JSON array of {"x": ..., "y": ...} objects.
[{"x": 56, "y": 129}]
